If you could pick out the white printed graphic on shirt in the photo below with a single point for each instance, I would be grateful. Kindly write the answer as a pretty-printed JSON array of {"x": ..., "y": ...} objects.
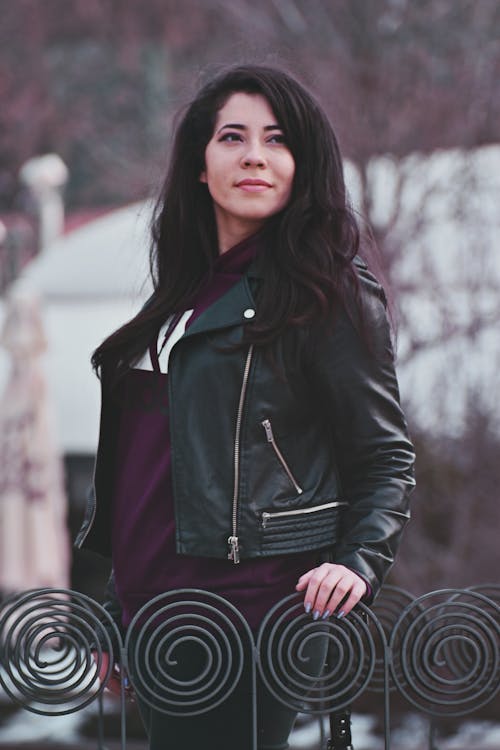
[{"x": 178, "y": 331}]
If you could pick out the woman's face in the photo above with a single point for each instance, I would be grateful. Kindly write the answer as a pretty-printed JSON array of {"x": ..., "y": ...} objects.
[{"x": 248, "y": 167}]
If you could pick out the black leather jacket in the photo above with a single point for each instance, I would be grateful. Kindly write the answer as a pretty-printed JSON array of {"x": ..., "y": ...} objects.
[{"x": 260, "y": 466}]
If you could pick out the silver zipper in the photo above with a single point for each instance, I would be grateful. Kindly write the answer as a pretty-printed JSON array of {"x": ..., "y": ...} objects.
[
  {"x": 299, "y": 511},
  {"x": 266, "y": 423},
  {"x": 233, "y": 541}
]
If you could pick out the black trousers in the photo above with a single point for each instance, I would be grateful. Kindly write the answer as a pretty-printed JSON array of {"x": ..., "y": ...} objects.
[{"x": 229, "y": 726}]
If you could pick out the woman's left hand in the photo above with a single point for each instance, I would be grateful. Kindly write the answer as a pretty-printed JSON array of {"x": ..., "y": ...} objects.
[{"x": 327, "y": 586}]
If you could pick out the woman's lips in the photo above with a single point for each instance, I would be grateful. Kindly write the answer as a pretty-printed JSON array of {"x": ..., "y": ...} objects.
[{"x": 253, "y": 186}]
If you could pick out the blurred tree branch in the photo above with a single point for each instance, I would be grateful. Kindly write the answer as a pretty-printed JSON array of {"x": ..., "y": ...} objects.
[
  {"x": 97, "y": 81},
  {"x": 396, "y": 77}
]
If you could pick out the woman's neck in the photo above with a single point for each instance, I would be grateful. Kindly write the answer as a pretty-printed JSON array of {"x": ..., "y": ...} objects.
[{"x": 233, "y": 232}]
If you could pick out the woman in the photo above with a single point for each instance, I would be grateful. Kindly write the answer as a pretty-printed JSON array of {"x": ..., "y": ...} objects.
[{"x": 254, "y": 396}]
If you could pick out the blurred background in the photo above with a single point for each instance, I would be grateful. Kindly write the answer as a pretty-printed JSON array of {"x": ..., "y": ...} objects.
[{"x": 88, "y": 94}]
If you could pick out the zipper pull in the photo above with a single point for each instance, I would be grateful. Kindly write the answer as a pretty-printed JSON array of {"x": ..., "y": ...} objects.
[
  {"x": 266, "y": 424},
  {"x": 234, "y": 549}
]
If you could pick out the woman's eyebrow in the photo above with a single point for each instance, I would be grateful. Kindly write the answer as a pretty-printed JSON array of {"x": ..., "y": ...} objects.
[{"x": 238, "y": 126}]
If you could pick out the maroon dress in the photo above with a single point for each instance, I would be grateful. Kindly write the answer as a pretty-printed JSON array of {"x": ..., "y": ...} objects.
[{"x": 145, "y": 561}]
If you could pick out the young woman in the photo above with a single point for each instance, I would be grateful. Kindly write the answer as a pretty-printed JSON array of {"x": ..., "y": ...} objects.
[{"x": 254, "y": 397}]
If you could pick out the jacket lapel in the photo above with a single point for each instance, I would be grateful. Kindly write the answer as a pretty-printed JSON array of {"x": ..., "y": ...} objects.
[{"x": 235, "y": 307}]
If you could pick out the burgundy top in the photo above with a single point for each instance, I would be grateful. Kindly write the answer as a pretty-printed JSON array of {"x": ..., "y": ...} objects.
[{"x": 143, "y": 538}]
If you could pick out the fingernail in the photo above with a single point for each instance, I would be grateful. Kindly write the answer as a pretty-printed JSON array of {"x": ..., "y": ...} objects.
[
  {"x": 340, "y": 614},
  {"x": 325, "y": 615},
  {"x": 315, "y": 614},
  {"x": 307, "y": 607}
]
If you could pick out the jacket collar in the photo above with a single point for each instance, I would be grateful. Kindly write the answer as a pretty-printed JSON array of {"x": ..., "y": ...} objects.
[{"x": 235, "y": 307}]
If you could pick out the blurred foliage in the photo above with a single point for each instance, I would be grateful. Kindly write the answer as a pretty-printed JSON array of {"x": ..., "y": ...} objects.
[
  {"x": 97, "y": 81},
  {"x": 453, "y": 537}
]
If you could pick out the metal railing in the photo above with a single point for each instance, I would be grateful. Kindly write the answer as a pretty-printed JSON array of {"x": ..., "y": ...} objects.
[{"x": 439, "y": 651}]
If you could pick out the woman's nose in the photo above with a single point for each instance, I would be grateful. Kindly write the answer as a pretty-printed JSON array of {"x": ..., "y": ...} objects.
[{"x": 253, "y": 156}]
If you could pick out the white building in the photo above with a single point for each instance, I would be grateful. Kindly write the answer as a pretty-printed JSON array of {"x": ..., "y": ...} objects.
[{"x": 90, "y": 281}]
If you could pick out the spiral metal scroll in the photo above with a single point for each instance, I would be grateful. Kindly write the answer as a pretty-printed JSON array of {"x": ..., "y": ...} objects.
[
  {"x": 387, "y": 608},
  {"x": 316, "y": 667},
  {"x": 186, "y": 651},
  {"x": 491, "y": 590},
  {"x": 445, "y": 652},
  {"x": 47, "y": 637}
]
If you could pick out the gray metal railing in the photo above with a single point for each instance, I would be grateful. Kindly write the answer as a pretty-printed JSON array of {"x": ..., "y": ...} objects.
[{"x": 439, "y": 651}]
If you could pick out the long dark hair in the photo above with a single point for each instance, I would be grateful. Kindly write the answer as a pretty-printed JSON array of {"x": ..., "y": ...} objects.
[{"x": 308, "y": 269}]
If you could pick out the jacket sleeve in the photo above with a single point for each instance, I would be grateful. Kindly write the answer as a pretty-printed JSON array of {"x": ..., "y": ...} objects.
[{"x": 359, "y": 396}]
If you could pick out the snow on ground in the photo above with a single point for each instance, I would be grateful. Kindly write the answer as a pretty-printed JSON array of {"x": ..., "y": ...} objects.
[
  {"x": 306, "y": 736},
  {"x": 25, "y": 726},
  {"x": 412, "y": 734}
]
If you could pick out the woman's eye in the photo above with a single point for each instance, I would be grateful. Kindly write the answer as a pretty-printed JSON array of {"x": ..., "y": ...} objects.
[
  {"x": 231, "y": 137},
  {"x": 277, "y": 138}
]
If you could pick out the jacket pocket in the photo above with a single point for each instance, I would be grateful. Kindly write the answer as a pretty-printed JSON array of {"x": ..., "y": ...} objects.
[
  {"x": 266, "y": 424},
  {"x": 301, "y": 529}
]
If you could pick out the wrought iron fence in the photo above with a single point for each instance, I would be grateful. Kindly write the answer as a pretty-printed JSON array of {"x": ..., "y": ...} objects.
[{"x": 439, "y": 651}]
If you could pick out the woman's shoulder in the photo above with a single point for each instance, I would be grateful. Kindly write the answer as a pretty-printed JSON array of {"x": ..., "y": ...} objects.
[
  {"x": 369, "y": 285},
  {"x": 361, "y": 322}
]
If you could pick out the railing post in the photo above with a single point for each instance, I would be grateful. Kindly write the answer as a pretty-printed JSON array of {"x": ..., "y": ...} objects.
[
  {"x": 432, "y": 734},
  {"x": 100, "y": 724}
]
